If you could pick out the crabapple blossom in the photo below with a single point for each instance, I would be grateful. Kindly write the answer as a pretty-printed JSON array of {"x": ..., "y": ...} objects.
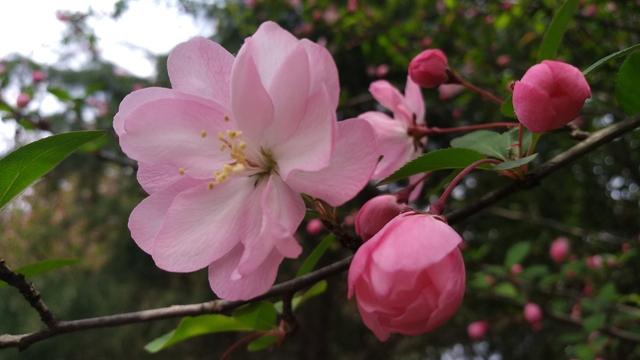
[
  {"x": 550, "y": 95},
  {"x": 477, "y": 329},
  {"x": 23, "y": 100},
  {"x": 226, "y": 152},
  {"x": 559, "y": 249},
  {"x": 314, "y": 226},
  {"x": 409, "y": 278},
  {"x": 532, "y": 313},
  {"x": 38, "y": 75},
  {"x": 395, "y": 143},
  {"x": 429, "y": 68}
]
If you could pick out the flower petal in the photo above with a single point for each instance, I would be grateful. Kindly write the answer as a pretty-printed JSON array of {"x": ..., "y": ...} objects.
[
  {"x": 154, "y": 178},
  {"x": 203, "y": 224},
  {"x": 147, "y": 217},
  {"x": 271, "y": 46},
  {"x": 310, "y": 147},
  {"x": 352, "y": 164},
  {"x": 247, "y": 287},
  {"x": 533, "y": 107},
  {"x": 393, "y": 143},
  {"x": 324, "y": 73},
  {"x": 250, "y": 103},
  {"x": 201, "y": 67},
  {"x": 413, "y": 100},
  {"x": 176, "y": 132},
  {"x": 289, "y": 92},
  {"x": 282, "y": 213}
]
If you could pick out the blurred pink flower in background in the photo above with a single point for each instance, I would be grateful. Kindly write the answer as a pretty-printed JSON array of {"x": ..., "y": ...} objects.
[
  {"x": 38, "y": 75},
  {"x": 594, "y": 262},
  {"x": 559, "y": 249},
  {"x": 516, "y": 269},
  {"x": 478, "y": 329},
  {"x": 533, "y": 315},
  {"x": 226, "y": 153},
  {"x": 314, "y": 226},
  {"x": 448, "y": 91},
  {"x": 23, "y": 100},
  {"x": 550, "y": 95},
  {"x": 409, "y": 278}
]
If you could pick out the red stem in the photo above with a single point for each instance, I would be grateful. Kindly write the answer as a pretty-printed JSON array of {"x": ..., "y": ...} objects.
[
  {"x": 455, "y": 78},
  {"x": 437, "y": 207},
  {"x": 422, "y": 130}
]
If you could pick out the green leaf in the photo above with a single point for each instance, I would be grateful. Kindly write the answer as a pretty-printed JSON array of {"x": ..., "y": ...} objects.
[
  {"x": 594, "y": 322},
  {"x": 42, "y": 267},
  {"x": 627, "y": 80},
  {"x": 516, "y": 253},
  {"x": 451, "y": 158},
  {"x": 507, "y": 108},
  {"x": 25, "y": 165},
  {"x": 260, "y": 316},
  {"x": 317, "y": 289},
  {"x": 514, "y": 163},
  {"x": 312, "y": 260},
  {"x": 62, "y": 94},
  {"x": 555, "y": 32},
  {"x": 512, "y": 138},
  {"x": 608, "y": 58},
  {"x": 262, "y": 343},
  {"x": 507, "y": 290},
  {"x": 534, "y": 272},
  {"x": 486, "y": 142},
  {"x": 6, "y": 108}
]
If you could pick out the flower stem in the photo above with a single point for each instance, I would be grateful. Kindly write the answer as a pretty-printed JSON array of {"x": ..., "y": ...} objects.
[
  {"x": 422, "y": 130},
  {"x": 437, "y": 207},
  {"x": 455, "y": 78}
]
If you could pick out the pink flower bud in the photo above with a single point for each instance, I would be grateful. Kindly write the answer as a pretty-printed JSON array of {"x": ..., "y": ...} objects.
[
  {"x": 375, "y": 214},
  {"x": 314, "y": 226},
  {"x": 549, "y": 95},
  {"x": 594, "y": 262},
  {"x": 429, "y": 68},
  {"x": 532, "y": 313},
  {"x": 409, "y": 278},
  {"x": 382, "y": 70},
  {"x": 352, "y": 5},
  {"x": 516, "y": 269},
  {"x": 37, "y": 76},
  {"x": 477, "y": 329},
  {"x": 559, "y": 249},
  {"x": 23, "y": 100}
]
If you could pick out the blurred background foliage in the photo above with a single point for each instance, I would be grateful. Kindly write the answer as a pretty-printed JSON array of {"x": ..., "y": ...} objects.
[{"x": 80, "y": 210}]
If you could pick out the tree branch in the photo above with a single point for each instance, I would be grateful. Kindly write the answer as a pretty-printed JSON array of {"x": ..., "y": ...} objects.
[
  {"x": 29, "y": 293},
  {"x": 220, "y": 306}
]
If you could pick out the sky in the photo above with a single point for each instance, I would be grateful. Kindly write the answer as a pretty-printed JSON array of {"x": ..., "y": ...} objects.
[{"x": 148, "y": 27}]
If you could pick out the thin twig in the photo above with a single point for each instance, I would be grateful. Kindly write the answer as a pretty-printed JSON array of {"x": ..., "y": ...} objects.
[{"x": 29, "y": 293}]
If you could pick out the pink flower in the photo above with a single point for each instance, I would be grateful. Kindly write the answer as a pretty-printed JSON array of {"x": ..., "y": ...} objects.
[
  {"x": 375, "y": 214},
  {"x": 516, "y": 269},
  {"x": 594, "y": 262},
  {"x": 352, "y": 5},
  {"x": 314, "y": 226},
  {"x": 409, "y": 278},
  {"x": 38, "y": 76},
  {"x": 23, "y": 100},
  {"x": 549, "y": 95},
  {"x": 226, "y": 153},
  {"x": 395, "y": 143},
  {"x": 559, "y": 249},
  {"x": 478, "y": 329},
  {"x": 429, "y": 68},
  {"x": 532, "y": 313}
]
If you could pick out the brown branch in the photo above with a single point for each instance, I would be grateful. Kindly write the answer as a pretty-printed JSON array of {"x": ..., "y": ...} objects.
[
  {"x": 176, "y": 311},
  {"x": 220, "y": 306},
  {"x": 29, "y": 293}
]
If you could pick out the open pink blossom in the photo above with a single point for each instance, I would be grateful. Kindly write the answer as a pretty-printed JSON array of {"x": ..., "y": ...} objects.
[
  {"x": 226, "y": 153},
  {"x": 409, "y": 278},
  {"x": 395, "y": 144}
]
